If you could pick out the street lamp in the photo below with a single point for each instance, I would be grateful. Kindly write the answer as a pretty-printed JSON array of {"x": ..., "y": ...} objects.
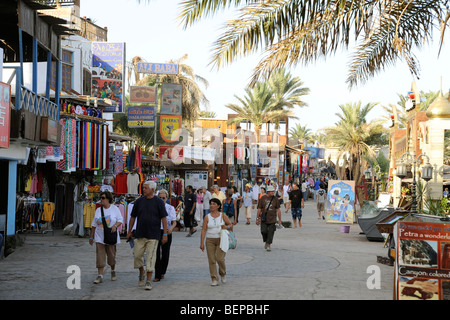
[{"x": 427, "y": 173}]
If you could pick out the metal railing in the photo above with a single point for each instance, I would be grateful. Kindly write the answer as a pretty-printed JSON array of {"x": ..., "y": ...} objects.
[{"x": 38, "y": 104}]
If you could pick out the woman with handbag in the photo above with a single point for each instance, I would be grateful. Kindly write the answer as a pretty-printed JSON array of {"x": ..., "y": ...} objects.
[
  {"x": 213, "y": 223},
  {"x": 106, "y": 220}
]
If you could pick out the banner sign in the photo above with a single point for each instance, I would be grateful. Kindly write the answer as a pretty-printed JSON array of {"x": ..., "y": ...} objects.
[
  {"x": 143, "y": 94},
  {"x": 171, "y": 98},
  {"x": 5, "y": 112},
  {"x": 141, "y": 117},
  {"x": 340, "y": 205},
  {"x": 108, "y": 60},
  {"x": 162, "y": 68},
  {"x": 174, "y": 153},
  {"x": 422, "y": 261},
  {"x": 170, "y": 127},
  {"x": 199, "y": 153}
]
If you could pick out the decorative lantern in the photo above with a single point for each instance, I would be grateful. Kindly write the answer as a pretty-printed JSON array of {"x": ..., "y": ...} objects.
[
  {"x": 401, "y": 170},
  {"x": 427, "y": 172}
]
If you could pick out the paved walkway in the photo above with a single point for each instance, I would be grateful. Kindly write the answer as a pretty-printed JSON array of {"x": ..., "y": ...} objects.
[{"x": 313, "y": 262}]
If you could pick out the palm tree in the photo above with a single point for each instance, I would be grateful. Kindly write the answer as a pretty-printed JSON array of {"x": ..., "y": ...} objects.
[
  {"x": 352, "y": 133},
  {"x": 258, "y": 107},
  {"x": 295, "y": 31},
  {"x": 300, "y": 133}
]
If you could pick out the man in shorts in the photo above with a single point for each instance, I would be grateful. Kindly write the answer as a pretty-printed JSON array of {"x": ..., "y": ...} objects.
[
  {"x": 149, "y": 211},
  {"x": 321, "y": 196},
  {"x": 297, "y": 203}
]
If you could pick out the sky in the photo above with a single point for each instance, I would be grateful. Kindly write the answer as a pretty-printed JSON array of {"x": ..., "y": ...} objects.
[{"x": 153, "y": 32}]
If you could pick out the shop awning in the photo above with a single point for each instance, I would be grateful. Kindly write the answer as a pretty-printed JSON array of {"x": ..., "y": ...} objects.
[{"x": 295, "y": 150}]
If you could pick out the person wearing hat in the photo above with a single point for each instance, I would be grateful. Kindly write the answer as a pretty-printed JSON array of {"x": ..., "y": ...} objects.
[{"x": 268, "y": 210}]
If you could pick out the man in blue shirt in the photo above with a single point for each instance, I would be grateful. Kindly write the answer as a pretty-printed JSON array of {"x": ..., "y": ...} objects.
[{"x": 316, "y": 187}]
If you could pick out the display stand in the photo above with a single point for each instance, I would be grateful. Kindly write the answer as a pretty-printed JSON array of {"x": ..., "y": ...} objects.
[
  {"x": 422, "y": 264},
  {"x": 386, "y": 225}
]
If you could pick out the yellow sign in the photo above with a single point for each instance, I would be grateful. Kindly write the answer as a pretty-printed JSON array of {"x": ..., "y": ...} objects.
[{"x": 170, "y": 127}]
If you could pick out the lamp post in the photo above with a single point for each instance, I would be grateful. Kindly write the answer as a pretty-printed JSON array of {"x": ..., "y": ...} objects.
[{"x": 427, "y": 173}]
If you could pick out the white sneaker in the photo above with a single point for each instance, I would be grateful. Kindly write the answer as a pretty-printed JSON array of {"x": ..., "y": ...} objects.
[
  {"x": 148, "y": 285},
  {"x": 224, "y": 280},
  {"x": 214, "y": 283}
]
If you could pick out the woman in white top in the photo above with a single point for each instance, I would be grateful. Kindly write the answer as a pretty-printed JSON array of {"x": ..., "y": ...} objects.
[
  {"x": 213, "y": 223},
  {"x": 113, "y": 219}
]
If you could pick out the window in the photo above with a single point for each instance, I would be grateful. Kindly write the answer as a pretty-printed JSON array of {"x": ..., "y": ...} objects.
[{"x": 67, "y": 67}]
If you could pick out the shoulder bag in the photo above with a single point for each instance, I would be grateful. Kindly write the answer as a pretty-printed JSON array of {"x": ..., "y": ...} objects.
[
  {"x": 109, "y": 236},
  {"x": 263, "y": 215}
]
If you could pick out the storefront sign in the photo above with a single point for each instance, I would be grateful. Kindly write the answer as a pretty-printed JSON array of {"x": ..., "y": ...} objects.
[
  {"x": 161, "y": 68},
  {"x": 170, "y": 127},
  {"x": 141, "y": 117},
  {"x": 171, "y": 98},
  {"x": 5, "y": 112},
  {"x": 422, "y": 261},
  {"x": 340, "y": 205},
  {"x": 108, "y": 60},
  {"x": 142, "y": 94}
]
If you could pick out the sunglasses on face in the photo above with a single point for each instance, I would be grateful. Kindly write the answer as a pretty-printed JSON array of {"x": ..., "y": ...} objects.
[
  {"x": 163, "y": 198},
  {"x": 102, "y": 198}
]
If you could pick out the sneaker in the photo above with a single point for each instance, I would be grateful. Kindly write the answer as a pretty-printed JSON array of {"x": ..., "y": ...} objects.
[
  {"x": 224, "y": 280},
  {"x": 141, "y": 280},
  {"x": 268, "y": 247},
  {"x": 214, "y": 283},
  {"x": 113, "y": 276},
  {"x": 148, "y": 285},
  {"x": 98, "y": 280}
]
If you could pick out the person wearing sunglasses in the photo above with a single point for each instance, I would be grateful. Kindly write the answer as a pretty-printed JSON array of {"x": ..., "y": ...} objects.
[
  {"x": 163, "y": 251},
  {"x": 105, "y": 252}
]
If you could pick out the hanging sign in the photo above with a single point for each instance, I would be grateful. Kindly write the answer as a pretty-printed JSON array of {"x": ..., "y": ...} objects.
[
  {"x": 161, "y": 68},
  {"x": 142, "y": 94},
  {"x": 171, "y": 98},
  {"x": 170, "y": 127},
  {"x": 141, "y": 117},
  {"x": 108, "y": 60},
  {"x": 5, "y": 111}
]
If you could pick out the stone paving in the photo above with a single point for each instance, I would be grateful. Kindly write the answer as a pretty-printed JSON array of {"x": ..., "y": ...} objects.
[{"x": 314, "y": 262}]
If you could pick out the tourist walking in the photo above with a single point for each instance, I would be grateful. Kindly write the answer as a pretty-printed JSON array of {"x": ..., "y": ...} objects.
[
  {"x": 286, "y": 190},
  {"x": 297, "y": 203},
  {"x": 199, "y": 206},
  {"x": 105, "y": 252},
  {"x": 149, "y": 211},
  {"x": 268, "y": 210},
  {"x": 321, "y": 197},
  {"x": 217, "y": 193},
  {"x": 213, "y": 223},
  {"x": 206, "y": 197},
  {"x": 163, "y": 251},
  {"x": 230, "y": 206},
  {"x": 238, "y": 198},
  {"x": 190, "y": 202},
  {"x": 305, "y": 190},
  {"x": 248, "y": 203}
]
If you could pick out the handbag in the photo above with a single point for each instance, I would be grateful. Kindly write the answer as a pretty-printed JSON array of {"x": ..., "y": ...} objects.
[
  {"x": 109, "y": 236},
  {"x": 227, "y": 238}
]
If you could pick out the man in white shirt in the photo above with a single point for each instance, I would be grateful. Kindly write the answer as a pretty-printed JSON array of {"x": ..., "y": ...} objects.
[{"x": 206, "y": 197}]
